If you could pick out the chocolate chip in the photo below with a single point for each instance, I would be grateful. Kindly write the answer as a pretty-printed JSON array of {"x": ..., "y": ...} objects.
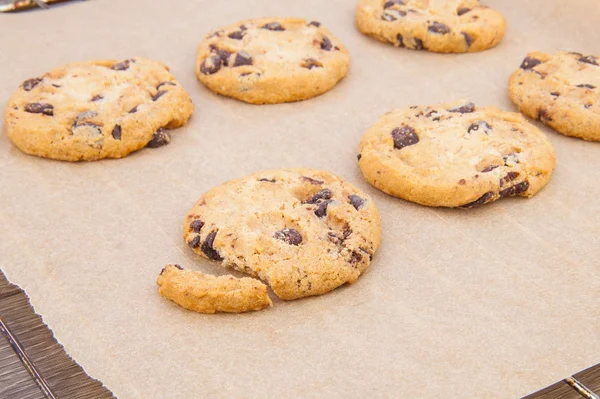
[
  {"x": 322, "y": 209},
  {"x": 324, "y": 194},
  {"x": 243, "y": 27},
  {"x": 462, "y": 182},
  {"x": 468, "y": 39},
  {"x": 356, "y": 201},
  {"x": 195, "y": 242},
  {"x": 463, "y": 109},
  {"x": 311, "y": 63},
  {"x": 314, "y": 23},
  {"x": 311, "y": 180},
  {"x": 391, "y": 3},
  {"x": 510, "y": 176},
  {"x": 242, "y": 58},
  {"x": 515, "y": 190},
  {"x": 355, "y": 258},
  {"x": 530, "y": 62},
  {"x": 31, "y": 83},
  {"x": 462, "y": 11},
  {"x": 555, "y": 94},
  {"x": 588, "y": 106},
  {"x": 359, "y": 156},
  {"x": 178, "y": 267},
  {"x": 276, "y": 26},
  {"x": 81, "y": 117},
  {"x": 237, "y": 35},
  {"x": 116, "y": 132},
  {"x": 216, "y": 33},
  {"x": 326, "y": 44},
  {"x": 590, "y": 59},
  {"x": 489, "y": 168},
  {"x": 208, "y": 248},
  {"x": 55, "y": 85},
  {"x": 289, "y": 236},
  {"x": 484, "y": 199},
  {"x": 165, "y": 84},
  {"x": 122, "y": 66},
  {"x": 88, "y": 129},
  {"x": 134, "y": 109},
  {"x": 97, "y": 97},
  {"x": 418, "y": 44},
  {"x": 211, "y": 64},
  {"x": 392, "y": 15},
  {"x": 159, "y": 95},
  {"x": 196, "y": 225},
  {"x": 480, "y": 125},
  {"x": 400, "y": 40},
  {"x": 161, "y": 137},
  {"x": 543, "y": 116},
  {"x": 38, "y": 108},
  {"x": 224, "y": 54},
  {"x": 586, "y": 86},
  {"x": 267, "y": 180},
  {"x": 404, "y": 136},
  {"x": 439, "y": 28}
]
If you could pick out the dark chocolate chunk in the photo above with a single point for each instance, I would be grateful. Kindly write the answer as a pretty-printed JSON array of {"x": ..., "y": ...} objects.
[
  {"x": 480, "y": 125},
  {"x": 116, "y": 132},
  {"x": 588, "y": 106},
  {"x": 326, "y": 44},
  {"x": 462, "y": 11},
  {"x": 400, "y": 40},
  {"x": 314, "y": 23},
  {"x": 311, "y": 63},
  {"x": 83, "y": 116},
  {"x": 165, "y": 84},
  {"x": 122, "y": 66},
  {"x": 196, "y": 225},
  {"x": 484, "y": 199},
  {"x": 586, "y": 86},
  {"x": 463, "y": 109},
  {"x": 510, "y": 176},
  {"x": 439, "y": 28},
  {"x": 208, "y": 247},
  {"x": 359, "y": 156},
  {"x": 38, "y": 108},
  {"x": 356, "y": 201},
  {"x": 418, "y": 44},
  {"x": 276, "y": 26},
  {"x": 195, "y": 242},
  {"x": 590, "y": 59},
  {"x": 55, "y": 85},
  {"x": 391, "y": 3},
  {"x": 161, "y": 137},
  {"x": 224, "y": 54},
  {"x": 289, "y": 236},
  {"x": 159, "y": 94},
  {"x": 543, "y": 116},
  {"x": 242, "y": 58},
  {"x": 555, "y": 94},
  {"x": 322, "y": 209},
  {"x": 134, "y": 109},
  {"x": 237, "y": 35},
  {"x": 404, "y": 136},
  {"x": 211, "y": 64},
  {"x": 355, "y": 258},
  {"x": 97, "y": 97},
  {"x": 243, "y": 27},
  {"x": 529, "y": 63},
  {"x": 489, "y": 168},
  {"x": 178, "y": 267},
  {"x": 324, "y": 194},
  {"x": 311, "y": 180},
  {"x": 31, "y": 83},
  {"x": 462, "y": 182},
  {"x": 468, "y": 39},
  {"x": 268, "y": 180},
  {"x": 515, "y": 190},
  {"x": 392, "y": 15}
]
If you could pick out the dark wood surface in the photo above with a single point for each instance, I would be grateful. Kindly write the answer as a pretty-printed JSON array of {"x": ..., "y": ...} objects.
[{"x": 68, "y": 380}]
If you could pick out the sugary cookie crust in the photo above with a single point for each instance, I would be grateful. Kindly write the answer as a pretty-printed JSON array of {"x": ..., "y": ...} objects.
[
  {"x": 271, "y": 60},
  {"x": 455, "y": 155}
]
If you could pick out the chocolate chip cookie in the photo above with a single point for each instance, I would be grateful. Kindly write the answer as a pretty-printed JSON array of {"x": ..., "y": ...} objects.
[
  {"x": 271, "y": 60},
  {"x": 455, "y": 155},
  {"x": 441, "y": 26},
  {"x": 561, "y": 90},
  {"x": 205, "y": 293},
  {"x": 97, "y": 109},
  {"x": 303, "y": 232}
]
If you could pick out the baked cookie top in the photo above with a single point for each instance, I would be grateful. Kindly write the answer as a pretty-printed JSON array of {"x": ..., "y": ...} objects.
[
  {"x": 271, "y": 60},
  {"x": 441, "y": 26},
  {"x": 206, "y": 293},
  {"x": 302, "y": 231},
  {"x": 97, "y": 109},
  {"x": 455, "y": 154},
  {"x": 561, "y": 90}
]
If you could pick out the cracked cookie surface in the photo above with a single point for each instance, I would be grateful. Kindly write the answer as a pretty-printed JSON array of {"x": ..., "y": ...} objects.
[
  {"x": 455, "y": 155},
  {"x": 97, "y": 109},
  {"x": 441, "y": 26},
  {"x": 561, "y": 90},
  {"x": 302, "y": 231},
  {"x": 271, "y": 60},
  {"x": 205, "y": 293}
]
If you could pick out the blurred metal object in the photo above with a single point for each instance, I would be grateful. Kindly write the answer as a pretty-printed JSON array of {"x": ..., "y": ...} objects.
[{"x": 19, "y": 5}]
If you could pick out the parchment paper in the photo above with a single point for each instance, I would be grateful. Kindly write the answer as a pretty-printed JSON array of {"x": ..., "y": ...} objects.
[{"x": 495, "y": 302}]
